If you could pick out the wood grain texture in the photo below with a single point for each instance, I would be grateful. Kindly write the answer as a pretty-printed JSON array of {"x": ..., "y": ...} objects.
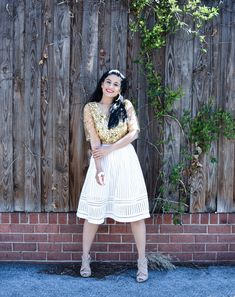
[
  {"x": 47, "y": 80},
  {"x": 19, "y": 121},
  {"x": 226, "y": 178},
  {"x": 6, "y": 90},
  {"x": 61, "y": 108}
]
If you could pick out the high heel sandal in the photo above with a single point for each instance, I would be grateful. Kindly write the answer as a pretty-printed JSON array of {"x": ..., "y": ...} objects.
[
  {"x": 142, "y": 273},
  {"x": 85, "y": 270}
]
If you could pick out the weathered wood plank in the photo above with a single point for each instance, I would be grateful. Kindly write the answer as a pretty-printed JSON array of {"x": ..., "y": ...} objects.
[
  {"x": 179, "y": 66},
  {"x": 61, "y": 107},
  {"x": 119, "y": 27},
  {"x": 226, "y": 178},
  {"x": 47, "y": 82},
  {"x": 6, "y": 86},
  {"x": 77, "y": 155}
]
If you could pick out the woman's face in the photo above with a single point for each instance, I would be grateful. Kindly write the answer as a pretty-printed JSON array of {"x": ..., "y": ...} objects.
[{"x": 111, "y": 86}]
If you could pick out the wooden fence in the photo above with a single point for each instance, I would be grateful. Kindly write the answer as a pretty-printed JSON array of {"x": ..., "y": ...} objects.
[{"x": 52, "y": 53}]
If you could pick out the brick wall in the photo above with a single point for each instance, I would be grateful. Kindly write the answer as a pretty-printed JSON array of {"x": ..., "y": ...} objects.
[{"x": 53, "y": 237}]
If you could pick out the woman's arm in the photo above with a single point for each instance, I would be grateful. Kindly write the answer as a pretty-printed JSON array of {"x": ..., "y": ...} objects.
[{"x": 100, "y": 152}]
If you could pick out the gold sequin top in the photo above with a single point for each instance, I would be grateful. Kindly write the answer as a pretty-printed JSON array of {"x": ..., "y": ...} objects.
[{"x": 96, "y": 123}]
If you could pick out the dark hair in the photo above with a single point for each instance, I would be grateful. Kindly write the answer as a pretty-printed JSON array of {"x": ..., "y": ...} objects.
[{"x": 117, "y": 109}]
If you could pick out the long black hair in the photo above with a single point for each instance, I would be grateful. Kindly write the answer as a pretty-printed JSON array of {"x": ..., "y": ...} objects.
[{"x": 117, "y": 109}]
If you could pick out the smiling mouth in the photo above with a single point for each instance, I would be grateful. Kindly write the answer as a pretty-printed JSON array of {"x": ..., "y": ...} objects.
[{"x": 109, "y": 91}]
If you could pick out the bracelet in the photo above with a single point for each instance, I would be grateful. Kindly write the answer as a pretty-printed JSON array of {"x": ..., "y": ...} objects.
[{"x": 101, "y": 173}]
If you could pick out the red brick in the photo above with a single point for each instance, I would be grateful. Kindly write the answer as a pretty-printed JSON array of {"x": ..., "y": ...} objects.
[
  {"x": 195, "y": 229},
  {"x": 127, "y": 238},
  {"x": 195, "y": 218},
  {"x": 108, "y": 238},
  {"x": 204, "y": 256},
  {"x": 53, "y": 218},
  {"x": 120, "y": 247},
  {"x": 169, "y": 248},
  {"x": 225, "y": 256},
  {"x": 59, "y": 256},
  {"x": 11, "y": 237},
  {"x": 129, "y": 257},
  {"x": 34, "y": 256},
  {"x": 22, "y": 228},
  {"x": 5, "y": 218},
  {"x": 216, "y": 247},
  {"x": 205, "y": 238},
  {"x": 232, "y": 247},
  {"x": 223, "y": 218},
  {"x": 103, "y": 229},
  {"x": 204, "y": 218},
  {"x": 5, "y": 228},
  {"x": 10, "y": 256},
  {"x": 99, "y": 247},
  {"x": 181, "y": 238},
  {"x": 118, "y": 229},
  {"x": 46, "y": 228},
  {"x": 214, "y": 218},
  {"x": 43, "y": 218},
  {"x": 149, "y": 221},
  {"x": 153, "y": 228},
  {"x": 220, "y": 229},
  {"x": 71, "y": 218},
  {"x": 35, "y": 237},
  {"x": 193, "y": 247},
  {"x": 107, "y": 256},
  {"x": 5, "y": 247},
  {"x": 71, "y": 229},
  {"x": 158, "y": 219},
  {"x": 167, "y": 218},
  {"x": 171, "y": 229},
  {"x": 150, "y": 248},
  {"x": 24, "y": 247},
  {"x": 60, "y": 237},
  {"x": 158, "y": 238},
  {"x": 72, "y": 247},
  {"x": 77, "y": 238},
  {"x": 226, "y": 238},
  {"x": 62, "y": 218},
  {"x": 77, "y": 256},
  {"x": 33, "y": 218},
  {"x": 109, "y": 221},
  {"x": 181, "y": 257},
  {"x": 231, "y": 218},
  {"x": 185, "y": 219},
  {"x": 233, "y": 229},
  {"x": 14, "y": 218},
  {"x": 49, "y": 247},
  {"x": 24, "y": 218}
]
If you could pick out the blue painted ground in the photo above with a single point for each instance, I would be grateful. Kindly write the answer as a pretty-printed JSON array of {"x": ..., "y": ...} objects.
[{"x": 30, "y": 280}]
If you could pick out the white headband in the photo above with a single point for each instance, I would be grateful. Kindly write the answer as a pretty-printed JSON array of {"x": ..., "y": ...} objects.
[{"x": 117, "y": 72}]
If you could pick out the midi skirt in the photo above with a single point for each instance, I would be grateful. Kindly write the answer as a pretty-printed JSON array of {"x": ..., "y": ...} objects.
[{"x": 123, "y": 197}]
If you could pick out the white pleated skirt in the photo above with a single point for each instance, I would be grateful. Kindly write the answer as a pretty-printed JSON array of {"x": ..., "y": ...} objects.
[{"x": 123, "y": 197}]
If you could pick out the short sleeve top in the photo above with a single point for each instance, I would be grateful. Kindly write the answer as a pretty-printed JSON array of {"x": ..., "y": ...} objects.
[{"x": 96, "y": 123}]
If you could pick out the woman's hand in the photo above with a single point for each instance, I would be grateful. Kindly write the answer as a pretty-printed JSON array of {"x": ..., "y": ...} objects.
[
  {"x": 100, "y": 177},
  {"x": 101, "y": 152}
]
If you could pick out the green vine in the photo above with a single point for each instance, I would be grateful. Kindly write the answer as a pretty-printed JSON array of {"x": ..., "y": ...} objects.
[{"x": 155, "y": 20}]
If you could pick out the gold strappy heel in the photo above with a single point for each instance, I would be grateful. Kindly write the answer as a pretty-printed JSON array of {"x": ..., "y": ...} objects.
[
  {"x": 142, "y": 273},
  {"x": 85, "y": 270}
]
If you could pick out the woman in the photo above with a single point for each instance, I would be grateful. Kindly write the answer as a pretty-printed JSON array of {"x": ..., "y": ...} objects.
[{"x": 114, "y": 186}]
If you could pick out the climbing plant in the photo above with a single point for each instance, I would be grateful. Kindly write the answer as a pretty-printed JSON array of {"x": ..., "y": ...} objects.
[{"x": 154, "y": 20}]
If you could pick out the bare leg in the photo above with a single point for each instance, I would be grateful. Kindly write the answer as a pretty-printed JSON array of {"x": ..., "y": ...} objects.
[
  {"x": 139, "y": 231},
  {"x": 89, "y": 231}
]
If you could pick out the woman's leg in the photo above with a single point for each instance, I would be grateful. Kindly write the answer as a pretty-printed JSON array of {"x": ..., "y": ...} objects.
[
  {"x": 139, "y": 231},
  {"x": 89, "y": 231}
]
